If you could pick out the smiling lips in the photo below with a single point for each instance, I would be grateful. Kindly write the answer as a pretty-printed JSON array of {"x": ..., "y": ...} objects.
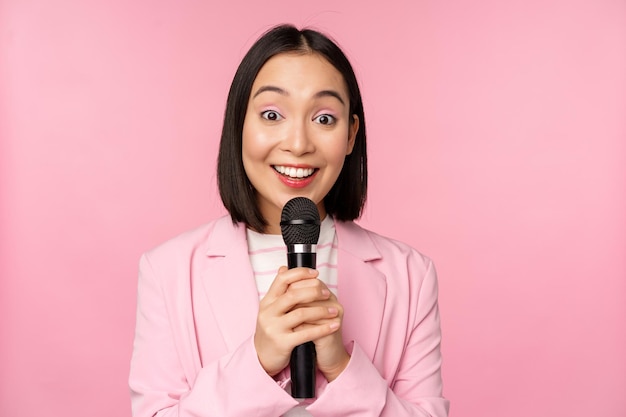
[
  {"x": 295, "y": 177},
  {"x": 294, "y": 172}
]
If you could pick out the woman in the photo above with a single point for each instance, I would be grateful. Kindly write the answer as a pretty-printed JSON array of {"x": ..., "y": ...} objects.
[{"x": 216, "y": 323}]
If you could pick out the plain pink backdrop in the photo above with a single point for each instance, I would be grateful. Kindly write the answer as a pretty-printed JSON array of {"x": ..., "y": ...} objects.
[{"x": 497, "y": 143}]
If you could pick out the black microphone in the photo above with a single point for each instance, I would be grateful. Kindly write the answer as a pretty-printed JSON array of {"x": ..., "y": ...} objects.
[{"x": 300, "y": 227}]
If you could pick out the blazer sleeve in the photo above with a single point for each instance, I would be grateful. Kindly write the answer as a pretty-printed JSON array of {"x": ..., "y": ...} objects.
[
  {"x": 416, "y": 389},
  {"x": 162, "y": 382}
]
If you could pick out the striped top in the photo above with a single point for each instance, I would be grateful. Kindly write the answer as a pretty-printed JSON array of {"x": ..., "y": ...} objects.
[{"x": 268, "y": 252}]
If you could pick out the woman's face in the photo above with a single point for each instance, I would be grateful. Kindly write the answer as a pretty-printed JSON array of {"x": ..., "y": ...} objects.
[{"x": 297, "y": 132}]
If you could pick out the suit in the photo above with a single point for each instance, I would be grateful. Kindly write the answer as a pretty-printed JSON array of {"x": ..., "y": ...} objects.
[{"x": 197, "y": 304}]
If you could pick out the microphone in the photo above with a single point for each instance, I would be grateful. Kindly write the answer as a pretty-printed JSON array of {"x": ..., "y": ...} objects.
[{"x": 300, "y": 227}]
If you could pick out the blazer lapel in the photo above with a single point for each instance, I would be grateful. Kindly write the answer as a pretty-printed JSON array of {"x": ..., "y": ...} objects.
[
  {"x": 362, "y": 288},
  {"x": 229, "y": 283}
]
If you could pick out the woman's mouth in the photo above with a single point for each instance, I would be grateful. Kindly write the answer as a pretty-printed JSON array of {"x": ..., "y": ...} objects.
[
  {"x": 295, "y": 177},
  {"x": 293, "y": 172}
]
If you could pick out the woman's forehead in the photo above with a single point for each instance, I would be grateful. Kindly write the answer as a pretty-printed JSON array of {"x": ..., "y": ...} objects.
[{"x": 299, "y": 72}]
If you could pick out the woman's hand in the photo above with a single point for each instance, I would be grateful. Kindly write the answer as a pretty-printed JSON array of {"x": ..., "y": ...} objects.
[
  {"x": 296, "y": 309},
  {"x": 332, "y": 357}
]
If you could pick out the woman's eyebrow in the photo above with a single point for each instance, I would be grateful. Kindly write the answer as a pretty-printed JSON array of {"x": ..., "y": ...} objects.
[
  {"x": 270, "y": 88},
  {"x": 329, "y": 93},
  {"x": 319, "y": 94}
]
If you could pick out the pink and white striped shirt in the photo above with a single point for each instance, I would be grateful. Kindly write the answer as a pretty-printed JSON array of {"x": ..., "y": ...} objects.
[{"x": 268, "y": 252}]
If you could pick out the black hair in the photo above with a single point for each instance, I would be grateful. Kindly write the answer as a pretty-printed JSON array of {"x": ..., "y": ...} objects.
[{"x": 346, "y": 198}]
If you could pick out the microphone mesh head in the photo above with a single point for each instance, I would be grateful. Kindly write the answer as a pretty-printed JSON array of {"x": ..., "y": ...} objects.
[{"x": 300, "y": 222}]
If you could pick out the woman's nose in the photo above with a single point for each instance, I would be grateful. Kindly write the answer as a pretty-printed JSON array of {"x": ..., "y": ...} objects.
[{"x": 298, "y": 139}]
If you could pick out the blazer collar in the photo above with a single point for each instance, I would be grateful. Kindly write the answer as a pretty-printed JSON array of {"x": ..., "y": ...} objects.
[
  {"x": 355, "y": 240},
  {"x": 226, "y": 238},
  {"x": 229, "y": 284},
  {"x": 362, "y": 287}
]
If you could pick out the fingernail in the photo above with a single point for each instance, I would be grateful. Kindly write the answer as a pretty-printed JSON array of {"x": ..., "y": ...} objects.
[
  {"x": 312, "y": 271},
  {"x": 325, "y": 292},
  {"x": 334, "y": 325},
  {"x": 332, "y": 310}
]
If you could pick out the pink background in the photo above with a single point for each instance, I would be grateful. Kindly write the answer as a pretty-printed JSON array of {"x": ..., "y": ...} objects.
[{"x": 497, "y": 138}]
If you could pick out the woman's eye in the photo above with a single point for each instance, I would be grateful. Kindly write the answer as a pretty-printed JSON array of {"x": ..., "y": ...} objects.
[
  {"x": 325, "y": 119},
  {"x": 271, "y": 115}
]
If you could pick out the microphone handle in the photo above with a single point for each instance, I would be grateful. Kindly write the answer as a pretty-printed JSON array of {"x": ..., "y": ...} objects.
[
  {"x": 302, "y": 366},
  {"x": 302, "y": 363}
]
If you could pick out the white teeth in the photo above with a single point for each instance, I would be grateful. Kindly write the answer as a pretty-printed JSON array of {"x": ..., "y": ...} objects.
[{"x": 294, "y": 172}]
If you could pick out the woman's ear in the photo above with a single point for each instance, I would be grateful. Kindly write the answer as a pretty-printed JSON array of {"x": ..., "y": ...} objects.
[{"x": 352, "y": 131}]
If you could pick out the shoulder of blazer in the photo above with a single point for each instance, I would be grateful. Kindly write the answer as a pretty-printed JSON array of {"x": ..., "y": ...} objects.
[
  {"x": 368, "y": 245},
  {"x": 215, "y": 238}
]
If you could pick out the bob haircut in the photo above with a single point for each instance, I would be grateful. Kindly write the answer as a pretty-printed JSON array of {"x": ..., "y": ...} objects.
[{"x": 346, "y": 198}]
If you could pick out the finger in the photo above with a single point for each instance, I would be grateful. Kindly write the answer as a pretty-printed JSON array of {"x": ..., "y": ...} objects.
[
  {"x": 312, "y": 284},
  {"x": 285, "y": 277},
  {"x": 334, "y": 322},
  {"x": 310, "y": 332},
  {"x": 309, "y": 315},
  {"x": 300, "y": 296},
  {"x": 306, "y": 283},
  {"x": 330, "y": 302}
]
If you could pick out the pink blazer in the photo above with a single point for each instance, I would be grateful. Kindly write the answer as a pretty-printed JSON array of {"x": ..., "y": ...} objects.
[{"x": 197, "y": 304}]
